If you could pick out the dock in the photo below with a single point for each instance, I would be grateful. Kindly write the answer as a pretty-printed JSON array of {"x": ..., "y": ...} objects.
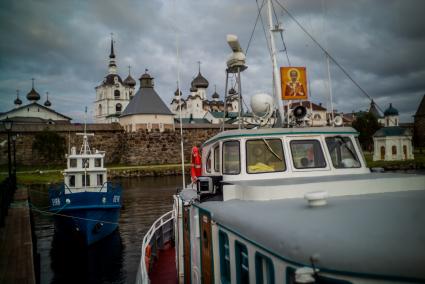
[{"x": 16, "y": 244}]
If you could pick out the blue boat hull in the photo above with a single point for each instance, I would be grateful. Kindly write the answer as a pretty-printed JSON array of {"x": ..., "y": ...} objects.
[
  {"x": 86, "y": 217},
  {"x": 87, "y": 225}
]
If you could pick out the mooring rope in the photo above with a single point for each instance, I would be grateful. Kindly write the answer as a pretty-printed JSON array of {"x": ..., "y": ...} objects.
[{"x": 34, "y": 208}]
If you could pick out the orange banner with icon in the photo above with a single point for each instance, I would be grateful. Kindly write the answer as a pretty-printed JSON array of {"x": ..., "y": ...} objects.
[{"x": 293, "y": 83}]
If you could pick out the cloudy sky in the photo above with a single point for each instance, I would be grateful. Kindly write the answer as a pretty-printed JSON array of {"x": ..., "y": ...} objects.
[{"x": 64, "y": 45}]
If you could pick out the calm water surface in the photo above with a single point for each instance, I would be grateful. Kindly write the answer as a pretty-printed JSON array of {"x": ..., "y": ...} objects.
[{"x": 114, "y": 259}]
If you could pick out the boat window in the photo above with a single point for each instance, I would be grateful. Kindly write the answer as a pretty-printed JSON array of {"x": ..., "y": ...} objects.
[
  {"x": 342, "y": 152},
  {"x": 85, "y": 163},
  {"x": 264, "y": 270},
  {"x": 224, "y": 257},
  {"x": 98, "y": 162},
  {"x": 217, "y": 158},
  {"x": 71, "y": 181},
  {"x": 231, "y": 158},
  {"x": 208, "y": 164},
  {"x": 86, "y": 180},
  {"x": 72, "y": 163},
  {"x": 307, "y": 154},
  {"x": 242, "y": 265},
  {"x": 264, "y": 156},
  {"x": 100, "y": 179}
]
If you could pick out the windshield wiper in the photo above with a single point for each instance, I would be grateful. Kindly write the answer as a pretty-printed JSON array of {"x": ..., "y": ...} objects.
[{"x": 271, "y": 150}]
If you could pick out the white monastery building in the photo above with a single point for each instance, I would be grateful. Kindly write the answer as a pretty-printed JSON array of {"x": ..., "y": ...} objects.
[
  {"x": 33, "y": 112},
  {"x": 197, "y": 108},
  {"x": 392, "y": 142},
  {"x": 113, "y": 94}
]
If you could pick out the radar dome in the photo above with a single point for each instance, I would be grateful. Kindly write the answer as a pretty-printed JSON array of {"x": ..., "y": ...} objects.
[{"x": 262, "y": 104}]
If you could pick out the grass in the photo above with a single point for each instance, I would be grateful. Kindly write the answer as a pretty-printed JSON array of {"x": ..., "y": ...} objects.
[
  {"x": 418, "y": 162},
  {"x": 53, "y": 174}
]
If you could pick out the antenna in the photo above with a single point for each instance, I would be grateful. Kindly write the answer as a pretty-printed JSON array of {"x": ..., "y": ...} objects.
[
  {"x": 276, "y": 75},
  {"x": 85, "y": 148},
  {"x": 180, "y": 102}
]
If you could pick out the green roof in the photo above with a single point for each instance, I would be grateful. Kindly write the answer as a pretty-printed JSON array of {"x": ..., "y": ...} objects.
[
  {"x": 391, "y": 111},
  {"x": 392, "y": 131}
]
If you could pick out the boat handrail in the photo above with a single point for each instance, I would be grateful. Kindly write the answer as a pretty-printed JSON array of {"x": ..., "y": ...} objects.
[{"x": 143, "y": 276}]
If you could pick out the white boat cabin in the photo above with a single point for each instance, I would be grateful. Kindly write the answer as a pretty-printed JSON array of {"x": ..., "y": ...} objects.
[
  {"x": 273, "y": 204},
  {"x": 85, "y": 171},
  {"x": 272, "y": 156}
]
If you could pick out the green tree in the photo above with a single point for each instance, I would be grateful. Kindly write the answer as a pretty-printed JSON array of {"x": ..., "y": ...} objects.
[
  {"x": 366, "y": 124},
  {"x": 49, "y": 145}
]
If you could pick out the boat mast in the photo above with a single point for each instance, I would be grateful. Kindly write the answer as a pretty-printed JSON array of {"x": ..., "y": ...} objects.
[{"x": 276, "y": 75}]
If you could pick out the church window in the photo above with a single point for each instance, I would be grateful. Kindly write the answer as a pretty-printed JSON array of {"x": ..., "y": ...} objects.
[
  {"x": 28, "y": 109},
  {"x": 394, "y": 150},
  {"x": 118, "y": 107},
  {"x": 117, "y": 94},
  {"x": 100, "y": 109}
]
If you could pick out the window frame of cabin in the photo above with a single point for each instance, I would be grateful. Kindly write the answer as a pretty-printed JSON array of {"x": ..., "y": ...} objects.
[
  {"x": 308, "y": 139},
  {"x": 97, "y": 162},
  {"x": 216, "y": 158},
  {"x": 264, "y": 172},
  {"x": 346, "y": 139},
  {"x": 224, "y": 161},
  {"x": 239, "y": 248},
  {"x": 259, "y": 258},
  {"x": 208, "y": 162},
  {"x": 99, "y": 177},
  {"x": 85, "y": 180},
  {"x": 83, "y": 164},
  {"x": 225, "y": 269},
  {"x": 73, "y": 163},
  {"x": 71, "y": 178}
]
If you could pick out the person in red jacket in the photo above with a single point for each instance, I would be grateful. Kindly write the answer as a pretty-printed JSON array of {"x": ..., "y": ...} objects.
[{"x": 195, "y": 170}]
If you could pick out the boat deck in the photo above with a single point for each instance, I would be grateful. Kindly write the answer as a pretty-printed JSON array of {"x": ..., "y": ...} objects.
[{"x": 164, "y": 268}]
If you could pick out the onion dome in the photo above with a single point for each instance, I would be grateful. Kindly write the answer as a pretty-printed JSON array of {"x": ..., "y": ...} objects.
[
  {"x": 232, "y": 91},
  {"x": 17, "y": 101},
  {"x": 129, "y": 81},
  {"x": 178, "y": 93},
  {"x": 200, "y": 81},
  {"x": 146, "y": 81},
  {"x": 391, "y": 111},
  {"x": 33, "y": 95},
  {"x": 47, "y": 103},
  {"x": 193, "y": 88},
  {"x": 215, "y": 95}
]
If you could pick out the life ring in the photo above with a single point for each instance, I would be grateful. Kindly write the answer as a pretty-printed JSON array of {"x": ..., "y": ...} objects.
[{"x": 148, "y": 253}]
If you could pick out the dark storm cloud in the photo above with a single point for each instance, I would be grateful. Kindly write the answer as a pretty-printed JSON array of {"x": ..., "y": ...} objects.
[{"x": 65, "y": 44}]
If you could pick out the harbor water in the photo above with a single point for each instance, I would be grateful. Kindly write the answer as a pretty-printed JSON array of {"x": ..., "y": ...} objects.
[{"x": 114, "y": 259}]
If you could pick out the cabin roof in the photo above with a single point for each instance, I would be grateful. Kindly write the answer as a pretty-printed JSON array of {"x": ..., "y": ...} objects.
[
  {"x": 280, "y": 131},
  {"x": 372, "y": 234}
]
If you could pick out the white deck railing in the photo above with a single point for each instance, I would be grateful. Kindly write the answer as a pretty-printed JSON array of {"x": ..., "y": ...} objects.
[{"x": 142, "y": 273}]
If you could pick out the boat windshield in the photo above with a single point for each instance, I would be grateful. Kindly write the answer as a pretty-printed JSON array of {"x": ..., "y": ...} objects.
[
  {"x": 264, "y": 156},
  {"x": 342, "y": 152}
]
